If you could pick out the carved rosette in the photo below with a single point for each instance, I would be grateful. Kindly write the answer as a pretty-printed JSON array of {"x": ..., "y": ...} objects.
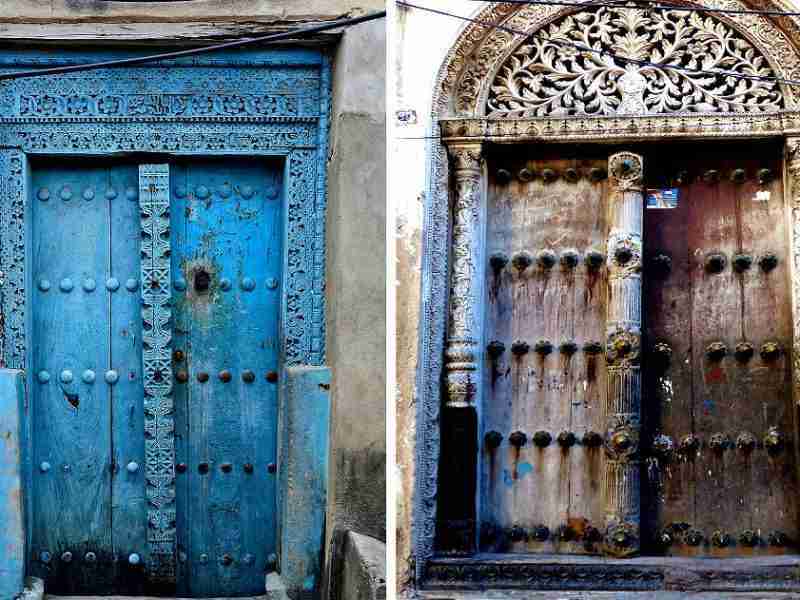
[
  {"x": 793, "y": 180},
  {"x": 461, "y": 352},
  {"x": 623, "y": 350}
]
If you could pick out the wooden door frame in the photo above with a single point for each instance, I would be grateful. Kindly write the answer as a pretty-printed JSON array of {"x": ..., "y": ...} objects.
[{"x": 54, "y": 117}]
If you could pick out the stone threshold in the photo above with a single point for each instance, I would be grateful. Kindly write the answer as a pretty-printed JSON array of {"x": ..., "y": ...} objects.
[{"x": 657, "y": 595}]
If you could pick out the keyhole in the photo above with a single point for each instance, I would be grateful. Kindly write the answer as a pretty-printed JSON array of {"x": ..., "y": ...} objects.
[{"x": 201, "y": 281}]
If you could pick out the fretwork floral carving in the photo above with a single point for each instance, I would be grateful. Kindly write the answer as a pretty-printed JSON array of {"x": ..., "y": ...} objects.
[{"x": 548, "y": 74}]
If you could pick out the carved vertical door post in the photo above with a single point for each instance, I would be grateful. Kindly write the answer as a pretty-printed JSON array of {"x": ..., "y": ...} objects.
[
  {"x": 793, "y": 182},
  {"x": 456, "y": 526},
  {"x": 461, "y": 353},
  {"x": 623, "y": 329}
]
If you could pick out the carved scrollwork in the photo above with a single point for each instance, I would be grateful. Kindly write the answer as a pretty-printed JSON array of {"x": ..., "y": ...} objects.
[
  {"x": 549, "y": 74},
  {"x": 623, "y": 348},
  {"x": 622, "y": 443},
  {"x": 625, "y": 253},
  {"x": 621, "y": 540},
  {"x": 626, "y": 169}
]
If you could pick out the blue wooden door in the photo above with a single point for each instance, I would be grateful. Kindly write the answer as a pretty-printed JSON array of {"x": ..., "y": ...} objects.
[
  {"x": 92, "y": 506},
  {"x": 226, "y": 265}
]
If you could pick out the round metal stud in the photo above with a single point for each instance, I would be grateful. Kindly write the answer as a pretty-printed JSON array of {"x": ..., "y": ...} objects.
[
  {"x": 66, "y": 193},
  {"x": 518, "y": 439},
  {"x": 88, "y": 376},
  {"x": 271, "y": 468},
  {"x": 45, "y": 466},
  {"x": 182, "y": 557},
  {"x": 592, "y": 439},
  {"x": 770, "y": 351},
  {"x": 132, "y": 467},
  {"x": 203, "y": 467},
  {"x": 66, "y": 557},
  {"x": 716, "y": 351},
  {"x": 711, "y": 176},
  {"x": 89, "y": 285},
  {"x": 542, "y": 439},
  {"x": 179, "y": 284},
  {"x": 568, "y": 348},
  {"x": 202, "y": 192},
  {"x": 111, "y": 193},
  {"x": 571, "y": 175},
  {"x": 66, "y": 376},
  {"x": 764, "y": 176},
  {"x": 768, "y": 262},
  {"x": 621, "y": 441},
  {"x": 543, "y": 347},
  {"x": 774, "y": 441},
  {"x": 66, "y": 468},
  {"x": 662, "y": 352},
  {"x": 272, "y": 376},
  {"x": 182, "y": 376},
  {"x": 248, "y": 191},
  {"x": 540, "y": 533},
  {"x": 111, "y": 377},
  {"x": 131, "y": 193},
  {"x": 748, "y": 538},
  {"x": 495, "y": 349},
  {"x": 225, "y": 284},
  {"x": 88, "y": 193},
  {"x": 594, "y": 260},
  {"x": 272, "y": 283},
  {"x": 44, "y": 285},
  {"x": 742, "y": 262},
  {"x": 503, "y": 175},
  {"x": 248, "y": 468},
  {"x": 225, "y": 376},
  {"x": 112, "y": 284},
  {"x": 738, "y": 175},
  {"x": 45, "y": 557},
  {"x": 565, "y": 533},
  {"x": 43, "y": 376},
  {"x": 203, "y": 558},
  {"x": 225, "y": 190},
  {"x": 180, "y": 467},
  {"x": 689, "y": 445},
  {"x": 597, "y": 174},
  {"x": 566, "y": 439},
  {"x": 202, "y": 377},
  {"x": 715, "y": 262},
  {"x": 778, "y": 539},
  {"x": 549, "y": 175},
  {"x": 746, "y": 442},
  {"x": 493, "y": 439},
  {"x": 720, "y": 539},
  {"x": 226, "y": 467},
  {"x": 694, "y": 537},
  {"x": 134, "y": 559},
  {"x": 744, "y": 351},
  {"x": 663, "y": 447},
  {"x": 248, "y": 376},
  {"x": 43, "y": 194},
  {"x": 623, "y": 255},
  {"x": 522, "y": 260},
  {"x": 517, "y": 534},
  {"x": 498, "y": 261},
  {"x": 272, "y": 562},
  {"x": 131, "y": 284},
  {"x": 520, "y": 347},
  {"x": 248, "y": 559},
  {"x": 66, "y": 285},
  {"x": 546, "y": 259},
  {"x": 570, "y": 259},
  {"x": 719, "y": 442},
  {"x": 180, "y": 192},
  {"x": 664, "y": 538},
  {"x": 525, "y": 175},
  {"x": 661, "y": 265},
  {"x": 248, "y": 284},
  {"x": 592, "y": 348},
  {"x": 90, "y": 557}
]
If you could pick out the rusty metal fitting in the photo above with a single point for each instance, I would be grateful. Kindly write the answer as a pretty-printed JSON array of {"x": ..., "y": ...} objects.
[
  {"x": 770, "y": 351},
  {"x": 226, "y": 560},
  {"x": 592, "y": 439},
  {"x": 778, "y": 539},
  {"x": 715, "y": 262},
  {"x": 720, "y": 539},
  {"x": 225, "y": 376},
  {"x": 182, "y": 376},
  {"x": 522, "y": 260},
  {"x": 694, "y": 537},
  {"x": 248, "y": 468},
  {"x": 272, "y": 376},
  {"x": 744, "y": 351},
  {"x": 661, "y": 265},
  {"x": 765, "y": 176},
  {"x": 202, "y": 377},
  {"x": 716, "y": 351},
  {"x": 570, "y": 259},
  {"x": 226, "y": 467},
  {"x": 540, "y": 533},
  {"x": 719, "y": 442},
  {"x": 542, "y": 439},
  {"x": 742, "y": 262},
  {"x": 503, "y": 175},
  {"x": 594, "y": 260},
  {"x": 597, "y": 174},
  {"x": 203, "y": 467},
  {"x": 746, "y": 442},
  {"x": 711, "y": 176},
  {"x": 493, "y": 439},
  {"x": 593, "y": 348},
  {"x": 774, "y": 441},
  {"x": 546, "y": 259},
  {"x": 272, "y": 468},
  {"x": 566, "y": 439},
  {"x": 621, "y": 441},
  {"x": 690, "y": 444},
  {"x": 571, "y": 175},
  {"x": 518, "y": 439},
  {"x": 498, "y": 261},
  {"x": 525, "y": 175},
  {"x": 543, "y": 347},
  {"x": 768, "y": 261},
  {"x": 495, "y": 349},
  {"x": 180, "y": 467},
  {"x": 749, "y": 538},
  {"x": 738, "y": 176},
  {"x": 178, "y": 356},
  {"x": 520, "y": 347},
  {"x": 663, "y": 447},
  {"x": 549, "y": 175},
  {"x": 248, "y": 376},
  {"x": 568, "y": 348}
]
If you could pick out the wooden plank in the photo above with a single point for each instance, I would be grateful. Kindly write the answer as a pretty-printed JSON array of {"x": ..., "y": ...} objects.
[{"x": 71, "y": 424}]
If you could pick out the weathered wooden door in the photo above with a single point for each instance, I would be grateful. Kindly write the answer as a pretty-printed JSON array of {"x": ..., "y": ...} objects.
[
  {"x": 105, "y": 517},
  {"x": 720, "y": 422}
]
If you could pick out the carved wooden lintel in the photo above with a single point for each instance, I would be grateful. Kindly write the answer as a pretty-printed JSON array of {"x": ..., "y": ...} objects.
[
  {"x": 461, "y": 353},
  {"x": 623, "y": 330}
]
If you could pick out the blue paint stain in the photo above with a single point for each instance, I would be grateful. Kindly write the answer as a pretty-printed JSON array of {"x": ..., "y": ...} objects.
[
  {"x": 507, "y": 479},
  {"x": 523, "y": 469},
  {"x": 708, "y": 405}
]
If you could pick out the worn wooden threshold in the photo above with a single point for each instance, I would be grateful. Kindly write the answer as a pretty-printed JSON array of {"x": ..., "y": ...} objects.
[{"x": 51, "y": 597}]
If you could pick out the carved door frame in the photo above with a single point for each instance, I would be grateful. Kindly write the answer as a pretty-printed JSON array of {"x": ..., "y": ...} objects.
[
  {"x": 52, "y": 117},
  {"x": 454, "y": 268}
]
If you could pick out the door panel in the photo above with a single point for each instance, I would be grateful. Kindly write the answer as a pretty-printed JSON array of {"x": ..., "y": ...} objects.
[
  {"x": 720, "y": 482},
  {"x": 226, "y": 237},
  {"x": 543, "y": 377},
  {"x": 85, "y": 422}
]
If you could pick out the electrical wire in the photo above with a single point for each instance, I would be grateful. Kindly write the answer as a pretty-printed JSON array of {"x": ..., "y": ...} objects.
[
  {"x": 124, "y": 62},
  {"x": 648, "y": 4},
  {"x": 601, "y": 52}
]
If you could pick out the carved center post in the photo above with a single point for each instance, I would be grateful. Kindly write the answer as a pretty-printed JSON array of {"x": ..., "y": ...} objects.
[
  {"x": 622, "y": 409},
  {"x": 793, "y": 180}
]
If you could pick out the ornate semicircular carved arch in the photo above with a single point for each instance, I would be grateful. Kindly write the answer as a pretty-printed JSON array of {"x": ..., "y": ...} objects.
[{"x": 494, "y": 72}]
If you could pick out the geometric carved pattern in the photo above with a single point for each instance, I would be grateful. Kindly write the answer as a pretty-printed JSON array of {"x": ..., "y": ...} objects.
[
  {"x": 159, "y": 421},
  {"x": 549, "y": 75}
]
